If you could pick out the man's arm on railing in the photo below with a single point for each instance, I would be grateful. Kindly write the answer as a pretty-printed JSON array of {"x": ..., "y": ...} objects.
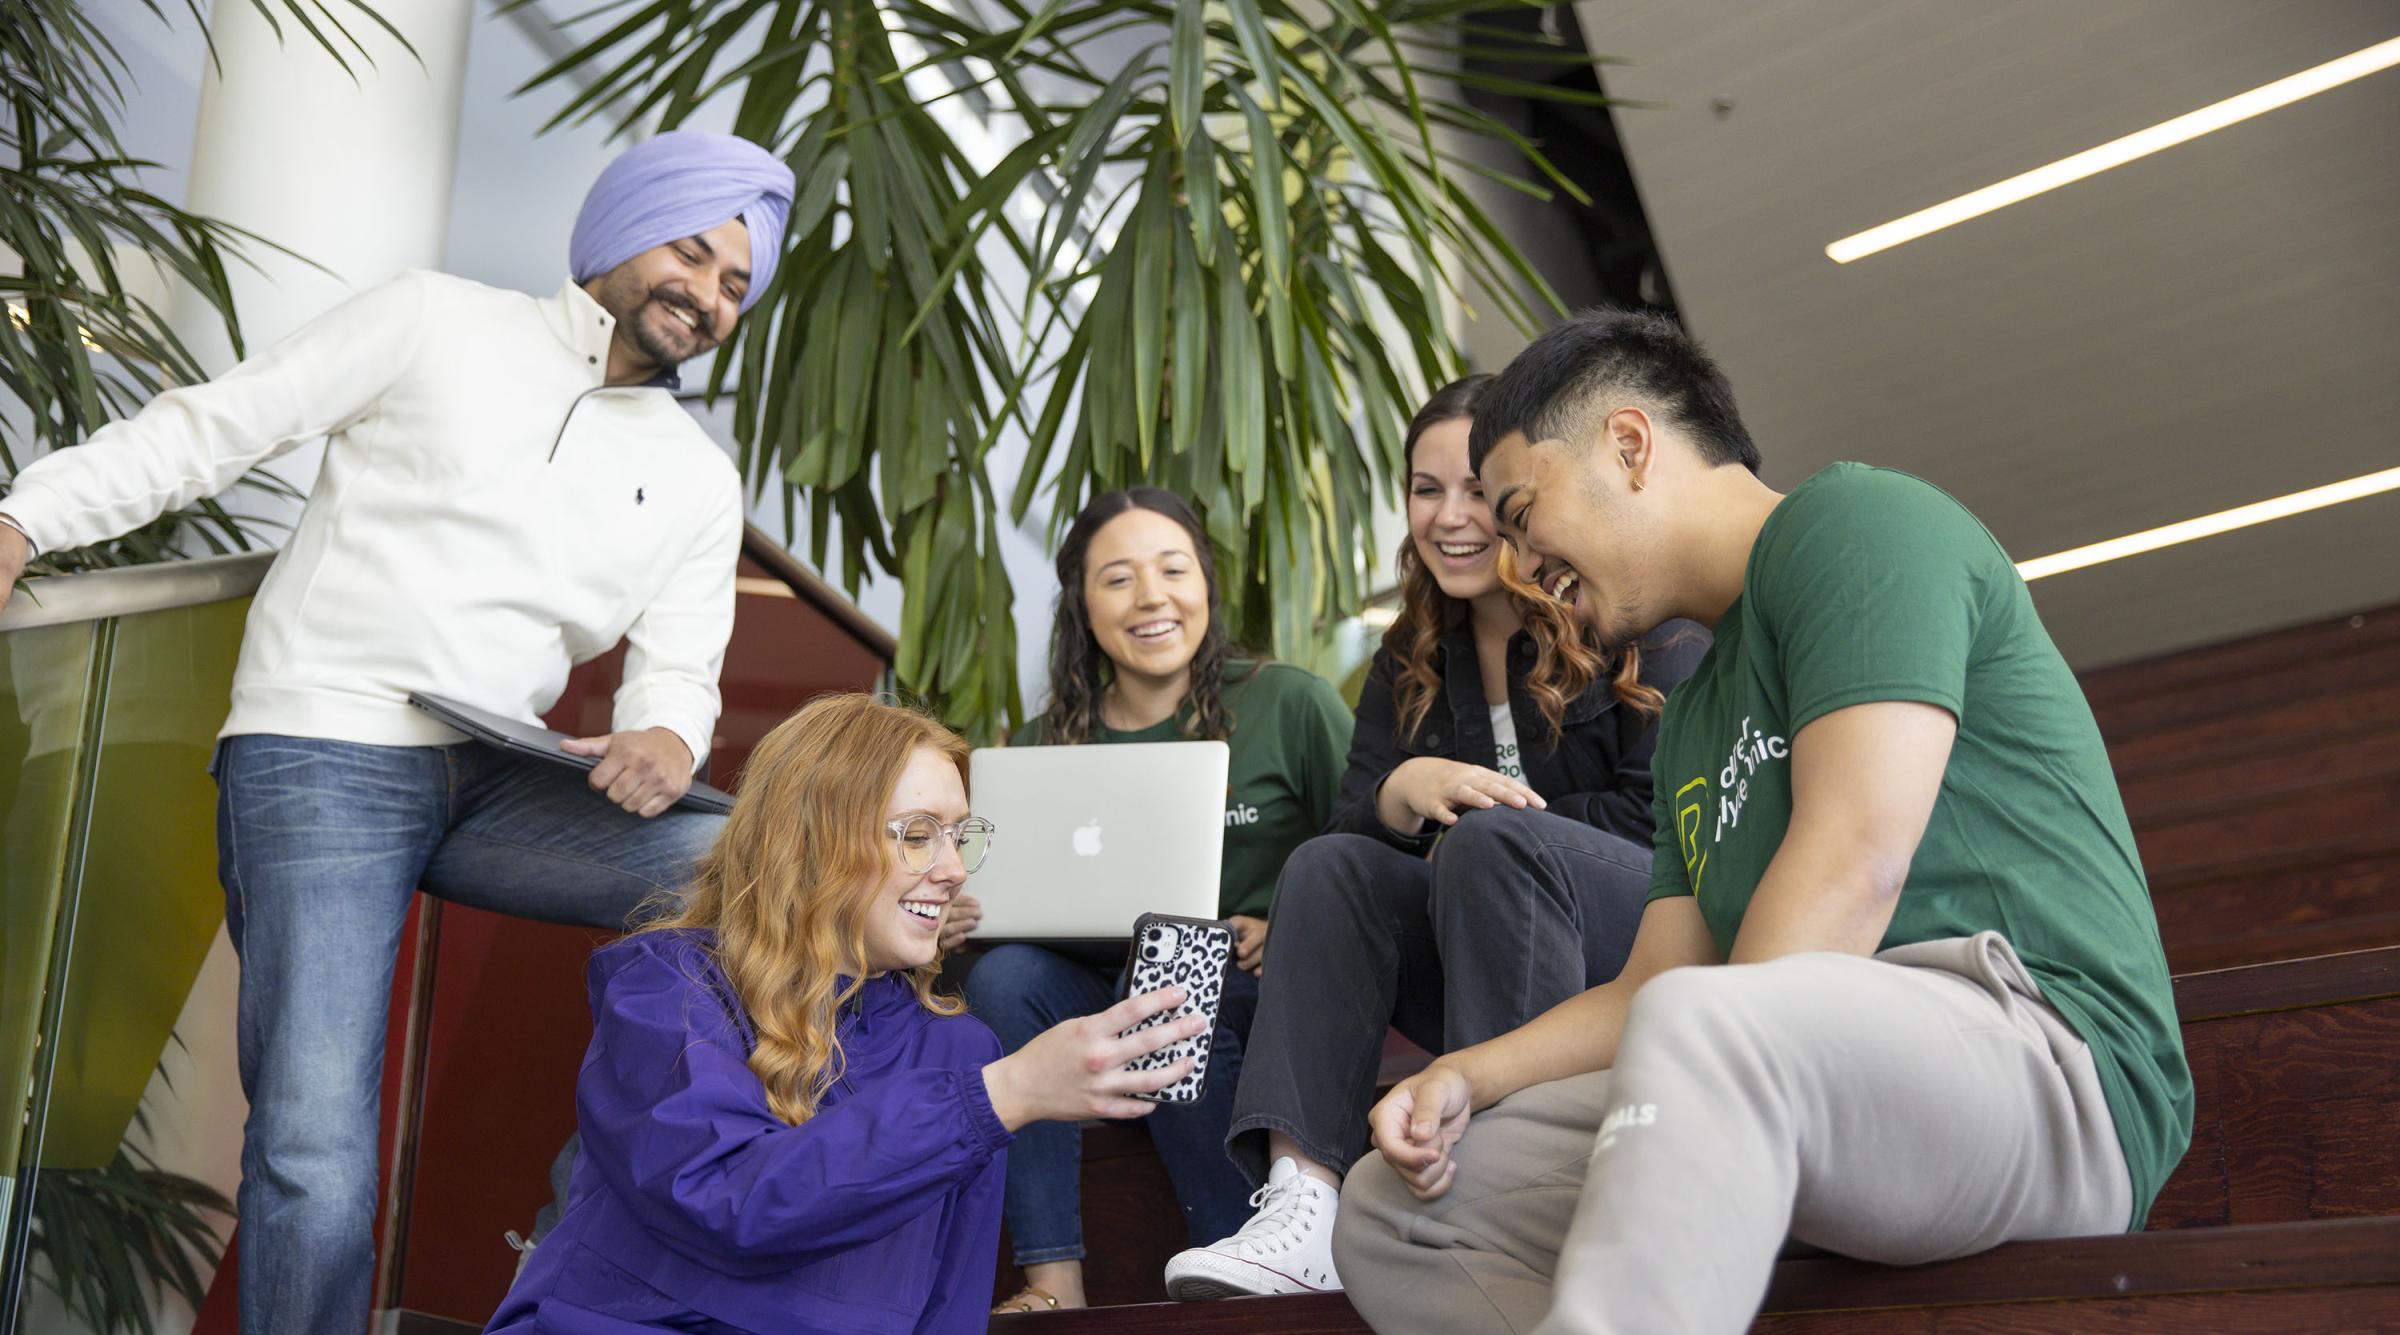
[{"x": 194, "y": 441}]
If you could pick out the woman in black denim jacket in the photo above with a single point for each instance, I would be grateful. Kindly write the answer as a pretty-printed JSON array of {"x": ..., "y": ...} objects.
[
  {"x": 1487, "y": 858},
  {"x": 1595, "y": 769}
]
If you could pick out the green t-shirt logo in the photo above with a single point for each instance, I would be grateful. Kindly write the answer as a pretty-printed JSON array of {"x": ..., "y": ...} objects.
[
  {"x": 1751, "y": 749},
  {"x": 1691, "y": 812},
  {"x": 1696, "y": 806}
]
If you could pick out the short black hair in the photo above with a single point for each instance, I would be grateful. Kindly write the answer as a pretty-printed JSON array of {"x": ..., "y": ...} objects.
[{"x": 1555, "y": 387}]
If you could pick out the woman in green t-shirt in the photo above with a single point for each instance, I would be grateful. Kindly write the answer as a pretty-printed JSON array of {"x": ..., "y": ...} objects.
[{"x": 1139, "y": 654}]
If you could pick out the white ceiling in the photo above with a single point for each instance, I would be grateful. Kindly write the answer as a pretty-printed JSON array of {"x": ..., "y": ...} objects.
[{"x": 2214, "y": 325}]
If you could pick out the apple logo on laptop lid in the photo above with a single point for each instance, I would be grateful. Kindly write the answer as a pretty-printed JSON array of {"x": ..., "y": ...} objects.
[{"x": 1087, "y": 839}]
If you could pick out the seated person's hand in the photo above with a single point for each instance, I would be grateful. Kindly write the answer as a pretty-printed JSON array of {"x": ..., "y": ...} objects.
[
  {"x": 1416, "y": 1125},
  {"x": 964, "y": 915},
  {"x": 1076, "y": 1069},
  {"x": 644, "y": 772},
  {"x": 1429, "y": 788},
  {"x": 1249, "y": 942}
]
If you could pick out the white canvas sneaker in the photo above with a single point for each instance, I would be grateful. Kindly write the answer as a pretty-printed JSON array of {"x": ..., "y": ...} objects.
[{"x": 1287, "y": 1247}]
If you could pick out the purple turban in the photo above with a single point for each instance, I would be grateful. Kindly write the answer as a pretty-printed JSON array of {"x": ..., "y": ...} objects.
[{"x": 681, "y": 184}]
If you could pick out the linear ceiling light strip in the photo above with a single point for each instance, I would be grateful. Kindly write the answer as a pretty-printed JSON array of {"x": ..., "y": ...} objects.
[
  {"x": 2207, "y": 526},
  {"x": 2118, "y": 152}
]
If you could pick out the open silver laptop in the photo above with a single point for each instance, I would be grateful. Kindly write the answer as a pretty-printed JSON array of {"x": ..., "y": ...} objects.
[{"x": 1092, "y": 837}]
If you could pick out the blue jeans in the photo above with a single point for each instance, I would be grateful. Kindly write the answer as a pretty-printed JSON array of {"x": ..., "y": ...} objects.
[
  {"x": 320, "y": 846},
  {"x": 1020, "y": 991}
]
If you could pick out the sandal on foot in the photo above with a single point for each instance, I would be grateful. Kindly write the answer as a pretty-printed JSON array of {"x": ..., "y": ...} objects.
[{"x": 1028, "y": 1299}]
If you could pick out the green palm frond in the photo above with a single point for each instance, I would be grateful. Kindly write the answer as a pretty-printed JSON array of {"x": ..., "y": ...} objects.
[
  {"x": 114, "y": 1236},
  {"x": 1251, "y": 225}
]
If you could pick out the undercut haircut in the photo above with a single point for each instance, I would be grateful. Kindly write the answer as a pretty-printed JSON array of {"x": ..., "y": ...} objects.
[{"x": 1565, "y": 384}]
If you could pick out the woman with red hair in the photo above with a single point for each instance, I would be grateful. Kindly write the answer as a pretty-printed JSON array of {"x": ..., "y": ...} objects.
[{"x": 784, "y": 1127}]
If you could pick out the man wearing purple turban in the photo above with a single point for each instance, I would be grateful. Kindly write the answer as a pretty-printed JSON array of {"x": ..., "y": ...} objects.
[
  {"x": 509, "y": 488},
  {"x": 663, "y": 207}
]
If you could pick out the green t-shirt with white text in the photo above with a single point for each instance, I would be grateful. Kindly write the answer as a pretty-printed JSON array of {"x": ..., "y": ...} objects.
[
  {"x": 1868, "y": 585},
  {"x": 1289, "y": 739}
]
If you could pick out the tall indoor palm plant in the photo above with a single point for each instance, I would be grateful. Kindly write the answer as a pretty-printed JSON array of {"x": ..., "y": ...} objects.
[
  {"x": 79, "y": 346},
  {"x": 1247, "y": 219}
]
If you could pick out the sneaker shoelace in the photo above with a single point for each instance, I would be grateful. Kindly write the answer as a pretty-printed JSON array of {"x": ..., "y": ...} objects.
[{"x": 1283, "y": 1212}]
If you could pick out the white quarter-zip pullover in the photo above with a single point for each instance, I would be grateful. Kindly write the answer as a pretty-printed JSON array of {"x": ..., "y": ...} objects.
[{"x": 489, "y": 514}]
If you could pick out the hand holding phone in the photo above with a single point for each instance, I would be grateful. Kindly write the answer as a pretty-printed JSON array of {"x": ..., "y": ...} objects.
[
  {"x": 1082, "y": 1068},
  {"x": 1191, "y": 954}
]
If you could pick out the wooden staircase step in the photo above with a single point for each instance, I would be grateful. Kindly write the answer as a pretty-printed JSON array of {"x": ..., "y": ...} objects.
[
  {"x": 2282, "y": 985},
  {"x": 2296, "y": 1075},
  {"x": 2228, "y": 1281},
  {"x": 2310, "y": 721},
  {"x": 2255, "y": 656},
  {"x": 2363, "y": 661},
  {"x": 2332, "y": 824},
  {"x": 2262, "y": 1277},
  {"x": 2296, "y": 1079},
  {"x": 2170, "y": 797},
  {"x": 2289, "y": 914}
]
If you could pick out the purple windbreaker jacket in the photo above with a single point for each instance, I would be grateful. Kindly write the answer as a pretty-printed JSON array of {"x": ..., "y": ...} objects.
[{"x": 694, "y": 1208}]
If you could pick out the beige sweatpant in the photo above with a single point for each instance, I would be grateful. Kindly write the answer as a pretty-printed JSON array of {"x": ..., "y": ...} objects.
[{"x": 1920, "y": 1105}]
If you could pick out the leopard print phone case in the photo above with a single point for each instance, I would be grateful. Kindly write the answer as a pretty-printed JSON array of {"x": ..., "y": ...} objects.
[{"x": 1193, "y": 954}]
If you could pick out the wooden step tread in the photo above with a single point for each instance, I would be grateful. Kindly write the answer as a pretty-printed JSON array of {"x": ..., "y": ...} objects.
[
  {"x": 2320, "y": 980},
  {"x": 2296, "y": 1075},
  {"x": 2287, "y": 914},
  {"x": 2327, "y": 1254},
  {"x": 2111, "y": 688},
  {"x": 2313, "y": 1253},
  {"x": 2354, "y": 665}
]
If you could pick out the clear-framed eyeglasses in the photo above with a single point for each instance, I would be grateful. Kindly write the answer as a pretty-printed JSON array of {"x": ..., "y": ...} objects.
[{"x": 920, "y": 839}]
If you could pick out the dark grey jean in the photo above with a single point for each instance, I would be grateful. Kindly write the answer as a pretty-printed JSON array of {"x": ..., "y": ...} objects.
[{"x": 1515, "y": 912}]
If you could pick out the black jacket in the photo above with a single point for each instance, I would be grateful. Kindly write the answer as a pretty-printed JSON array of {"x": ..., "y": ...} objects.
[{"x": 1597, "y": 771}]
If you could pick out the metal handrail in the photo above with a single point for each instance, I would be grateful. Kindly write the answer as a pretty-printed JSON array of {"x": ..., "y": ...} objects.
[{"x": 98, "y": 594}]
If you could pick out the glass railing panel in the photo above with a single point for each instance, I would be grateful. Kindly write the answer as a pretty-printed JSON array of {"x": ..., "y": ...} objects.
[
  {"x": 45, "y": 691},
  {"x": 117, "y": 684},
  {"x": 151, "y": 904}
]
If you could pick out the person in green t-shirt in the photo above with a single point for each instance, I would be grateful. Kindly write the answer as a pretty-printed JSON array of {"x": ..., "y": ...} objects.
[
  {"x": 1939, "y": 1017},
  {"x": 1138, "y": 654}
]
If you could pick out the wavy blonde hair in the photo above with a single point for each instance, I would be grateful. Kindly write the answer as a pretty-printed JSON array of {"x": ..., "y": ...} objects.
[{"x": 788, "y": 884}]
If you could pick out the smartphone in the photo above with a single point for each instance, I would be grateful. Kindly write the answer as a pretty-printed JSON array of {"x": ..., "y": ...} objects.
[{"x": 1193, "y": 954}]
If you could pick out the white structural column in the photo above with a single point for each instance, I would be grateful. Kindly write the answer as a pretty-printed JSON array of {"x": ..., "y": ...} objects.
[{"x": 351, "y": 170}]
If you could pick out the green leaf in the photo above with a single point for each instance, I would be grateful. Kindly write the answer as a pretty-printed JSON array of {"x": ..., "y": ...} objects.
[
  {"x": 1203, "y": 207},
  {"x": 1273, "y": 229},
  {"x": 1186, "y": 68},
  {"x": 814, "y": 199},
  {"x": 1152, "y": 238},
  {"x": 1245, "y": 399},
  {"x": 1258, "y": 49},
  {"x": 1189, "y": 364}
]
